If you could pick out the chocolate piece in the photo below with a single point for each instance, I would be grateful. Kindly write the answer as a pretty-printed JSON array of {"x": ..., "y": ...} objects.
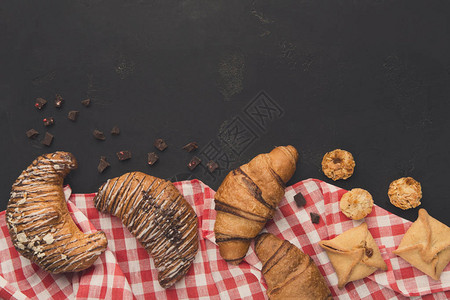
[
  {"x": 315, "y": 218},
  {"x": 103, "y": 164},
  {"x": 192, "y": 146},
  {"x": 369, "y": 252},
  {"x": 212, "y": 166},
  {"x": 86, "y": 102},
  {"x": 32, "y": 133},
  {"x": 48, "y": 139},
  {"x": 152, "y": 158},
  {"x": 195, "y": 161},
  {"x": 99, "y": 135},
  {"x": 48, "y": 121},
  {"x": 115, "y": 130},
  {"x": 160, "y": 144},
  {"x": 40, "y": 103},
  {"x": 58, "y": 101},
  {"x": 73, "y": 115},
  {"x": 300, "y": 200},
  {"x": 123, "y": 155}
]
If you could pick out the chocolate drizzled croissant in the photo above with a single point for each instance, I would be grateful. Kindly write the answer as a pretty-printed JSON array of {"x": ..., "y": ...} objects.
[
  {"x": 158, "y": 216},
  {"x": 39, "y": 222}
]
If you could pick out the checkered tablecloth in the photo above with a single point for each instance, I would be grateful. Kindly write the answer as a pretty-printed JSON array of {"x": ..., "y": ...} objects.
[{"x": 125, "y": 270}]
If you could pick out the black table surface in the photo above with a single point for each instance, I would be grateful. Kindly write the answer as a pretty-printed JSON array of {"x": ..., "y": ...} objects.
[{"x": 238, "y": 77}]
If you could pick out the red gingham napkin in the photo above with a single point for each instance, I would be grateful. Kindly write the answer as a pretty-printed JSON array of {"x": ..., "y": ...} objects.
[{"x": 125, "y": 270}]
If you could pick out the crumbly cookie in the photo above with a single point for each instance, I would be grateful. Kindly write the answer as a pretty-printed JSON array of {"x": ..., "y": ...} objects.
[
  {"x": 356, "y": 204},
  {"x": 405, "y": 193},
  {"x": 338, "y": 164}
]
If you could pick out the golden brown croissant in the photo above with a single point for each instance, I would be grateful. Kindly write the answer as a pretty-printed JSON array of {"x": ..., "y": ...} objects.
[
  {"x": 160, "y": 218},
  {"x": 289, "y": 273},
  {"x": 247, "y": 198},
  {"x": 39, "y": 222}
]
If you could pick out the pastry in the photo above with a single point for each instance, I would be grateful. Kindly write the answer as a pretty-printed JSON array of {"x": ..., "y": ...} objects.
[
  {"x": 405, "y": 193},
  {"x": 426, "y": 245},
  {"x": 338, "y": 164},
  {"x": 289, "y": 273},
  {"x": 159, "y": 217},
  {"x": 39, "y": 222},
  {"x": 353, "y": 254},
  {"x": 247, "y": 198},
  {"x": 356, "y": 204}
]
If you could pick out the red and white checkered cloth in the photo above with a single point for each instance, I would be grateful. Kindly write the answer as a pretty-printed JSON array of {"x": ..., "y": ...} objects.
[{"x": 125, "y": 270}]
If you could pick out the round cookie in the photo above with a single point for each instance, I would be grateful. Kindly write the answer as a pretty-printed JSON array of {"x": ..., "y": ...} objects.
[
  {"x": 356, "y": 204},
  {"x": 405, "y": 193},
  {"x": 338, "y": 164}
]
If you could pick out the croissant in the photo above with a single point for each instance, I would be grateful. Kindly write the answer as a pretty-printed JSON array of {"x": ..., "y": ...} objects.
[
  {"x": 158, "y": 216},
  {"x": 39, "y": 222},
  {"x": 247, "y": 198},
  {"x": 289, "y": 273}
]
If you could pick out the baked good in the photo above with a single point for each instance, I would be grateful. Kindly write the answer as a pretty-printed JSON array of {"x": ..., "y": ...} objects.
[
  {"x": 159, "y": 217},
  {"x": 338, "y": 164},
  {"x": 289, "y": 273},
  {"x": 247, "y": 198},
  {"x": 353, "y": 254},
  {"x": 426, "y": 245},
  {"x": 405, "y": 193},
  {"x": 356, "y": 204},
  {"x": 39, "y": 222}
]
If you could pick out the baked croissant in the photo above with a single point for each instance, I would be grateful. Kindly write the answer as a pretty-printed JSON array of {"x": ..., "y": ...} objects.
[
  {"x": 39, "y": 222},
  {"x": 159, "y": 217},
  {"x": 289, "y": 273},
  {"x": 247, "y": 198}
]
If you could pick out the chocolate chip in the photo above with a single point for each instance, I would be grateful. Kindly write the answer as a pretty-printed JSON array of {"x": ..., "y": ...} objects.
[
  {"x": 48, "y": 139},
  {"x": 195, "y": 161},
  {"x": 300, "y": 200},
  {"x": 369, "y": 252},
  {"x": 315, "y": 218},
  {"x": 115, "y": 130},
  {"x": 58, "y": 101},
  {"x": 99, "y": 135},
  {"x": 212, "y": 166},
  {"x": 192, "y": 146},
  {"x": 40, "y": 103},
  {"x": 32, "y": 133},
  {"x": 123, "y": 155},
  {"x": 160, "y": 144},
  {"x": 48, "y": 121},
  {"x": 152, "y": 158},
  {"x": 86, "y": 102},
  {"x": 73, "y": 115},
  {"x": 103, "y": 164}
]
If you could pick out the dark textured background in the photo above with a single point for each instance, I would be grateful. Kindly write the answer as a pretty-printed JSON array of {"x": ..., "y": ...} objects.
[{"x": 371, "y": 77}]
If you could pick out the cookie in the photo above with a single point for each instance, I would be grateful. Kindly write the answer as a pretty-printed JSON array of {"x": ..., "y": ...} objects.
[
  {"x": 338, "y": 164},
  {"x": 405, "y": 193},
  {"x": 356, "y": 204}
]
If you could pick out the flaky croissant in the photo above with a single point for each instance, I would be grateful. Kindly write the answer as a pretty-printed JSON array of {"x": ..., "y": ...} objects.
[
  {"x": 159, "y": 217},
  {"x": 247, "y": 198},
  {"x": 39, "y": 222},
  {"x": 289, "y": 273}
]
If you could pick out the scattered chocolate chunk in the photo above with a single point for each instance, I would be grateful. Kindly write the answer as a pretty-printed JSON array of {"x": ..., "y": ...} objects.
[
  {"x": 48, "y": 139},
  {"x": 123, "y": 155},
  {"x": 369, "y": 252},
  {"x": 73, "y": 115},
  {"x": 152, "y": 158},
  {"x": 315, "y": 218},
  {"x": 40, "y": 103},
  {"x": 192, "y": 146},
  {"x": 58, "y": 101},
  {"x": 48, "y": 121},
  {"x": 99, "y": 135},
  {"x": 86, "y": 102},
  {"x": 160, "y": 144},
  {"x": 195, "y": 161},
  {"x": 212, "y": 166},
  {"x": 32, "y": 133},
  {"x": 115, "y": 130},
  {"x": 300, "y": 200},
  {"x": 103, "y": 164}
]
